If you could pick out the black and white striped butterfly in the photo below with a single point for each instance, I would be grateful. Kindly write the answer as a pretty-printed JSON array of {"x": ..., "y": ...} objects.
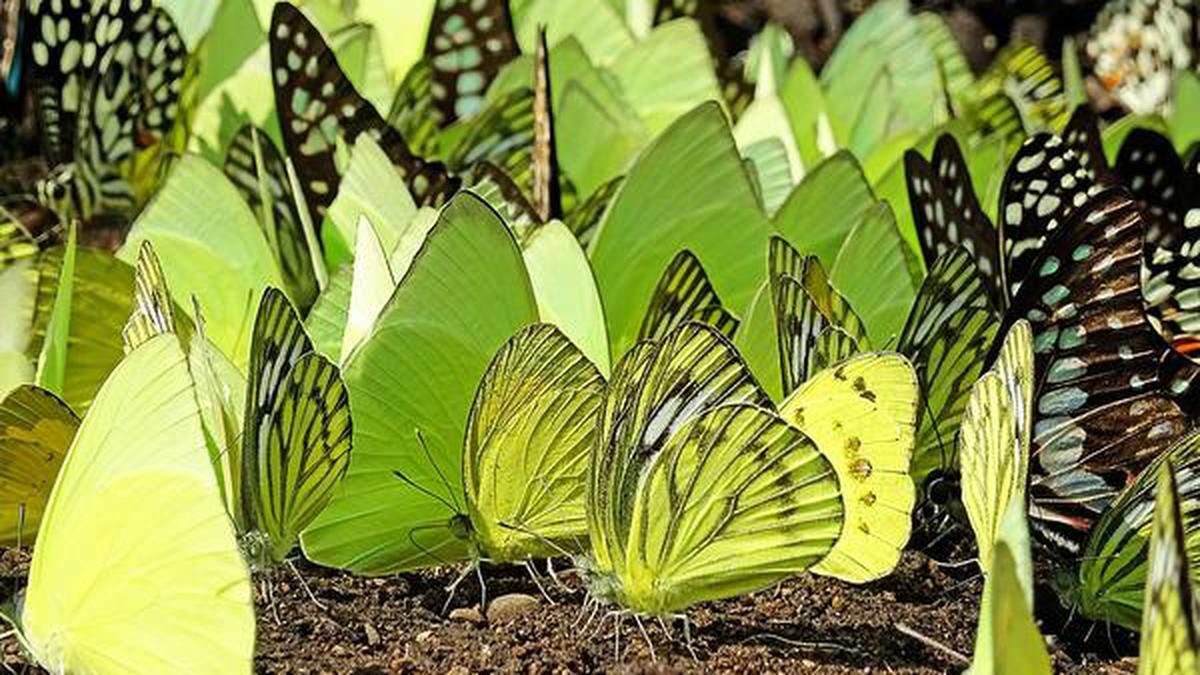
[{"x": 106, "y": 78}]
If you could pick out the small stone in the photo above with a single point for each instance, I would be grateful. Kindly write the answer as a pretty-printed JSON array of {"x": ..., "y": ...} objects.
[
  {"x": 424, "y": 636},
  {"x": 458, "y": 670},
  {"x": 338, "y": 650},
  {"x": 837, "y": 603},
  {"x": 509, "y": 607},
  {"x": 468, "y": 614},
  {"x": 372, "y": 634}
]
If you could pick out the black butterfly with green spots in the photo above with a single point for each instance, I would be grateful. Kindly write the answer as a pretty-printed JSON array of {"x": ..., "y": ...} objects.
[
  {"x": 319, "y": 111},
  {"x": 106, "y": 79},
  {"x": 469, "y": 42},
  {"x": 1101, "y": 411}
]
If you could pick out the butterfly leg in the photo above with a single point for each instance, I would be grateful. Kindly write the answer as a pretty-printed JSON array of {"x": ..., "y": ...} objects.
[
  {"x": 537, "y": 582},
  {"x": 645, "y": 636},
  {"x": 304, "y": 585},
  {"x": 687, "y": 637},
  {"x": 454, "y": 586}
]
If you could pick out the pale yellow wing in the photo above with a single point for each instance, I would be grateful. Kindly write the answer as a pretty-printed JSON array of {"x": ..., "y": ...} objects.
[
  {"x": 861, "y": 415},
  {"x": 137, "y": 570}
]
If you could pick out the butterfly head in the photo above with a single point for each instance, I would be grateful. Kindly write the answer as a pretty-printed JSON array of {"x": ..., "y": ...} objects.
[{"x": 54, "y": 191}]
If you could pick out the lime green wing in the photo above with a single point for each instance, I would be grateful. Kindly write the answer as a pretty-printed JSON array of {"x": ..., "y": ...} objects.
[
  {"x": 1113, "y": 569},
  {"x": 152, "y": 312},
  {"x": 737, "y": 500},
  {"x": 799, "y": 323},
  {"x": 531, "y": 428},
  {"x": 36, "y": 428},
  {"x": 837, "y": 309},
  {"x": 412, "y": 382},
  {"x": 861, "y": 415},
  {"x": 1010, "y": 642},
  {"x": 221, "y": 393},
  {"x": 1171, "y": 615},
  {"x": 137, "y": 569},
  {"x": 297, "y": 434},
  {"x": 683, "y": 294},
  {"x": 833, "y": 346},
  {"x": 994, "y": 440},
  {"x": 947, "y": 335},
  {"x": 656, "y": 388}
]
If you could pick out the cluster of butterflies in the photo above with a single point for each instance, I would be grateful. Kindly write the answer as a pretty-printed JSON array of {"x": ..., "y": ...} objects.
[
  {"x": 1098, "y": 260},
  {"x": 1063, "y": 332}
]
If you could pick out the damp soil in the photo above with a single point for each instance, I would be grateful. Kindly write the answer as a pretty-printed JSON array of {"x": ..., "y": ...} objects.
[{"x": 921, "y": 619}]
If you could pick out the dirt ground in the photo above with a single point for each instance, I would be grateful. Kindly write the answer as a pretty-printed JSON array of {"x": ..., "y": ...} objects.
[{"x": 807, "y": 625}]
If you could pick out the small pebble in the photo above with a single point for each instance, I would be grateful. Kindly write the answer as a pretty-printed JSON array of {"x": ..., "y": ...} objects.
[
  {"x": 468, "y": 614},
  {"x": 509, "y": 607},
  {"x": 372, "y": 634},
  {"x": 424, "y": 636}
]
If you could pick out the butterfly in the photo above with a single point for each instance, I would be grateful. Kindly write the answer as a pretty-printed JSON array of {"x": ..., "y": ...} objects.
[
  {"x": 528, "y": 438},
  {"x": 469, "y": 42},
  {"x": 1118, "y": 566},
  {"x": 1169, "y": 194},
  {"x": 134, "y": 537},
  {"x": 1025, "y": 75},
  {"x": 685, "y": 294},
  {"x": 861, "y": 413},
  {"x": 320, "y": 111},
  {"x": 736, "y": 90},
  {"x": 685, "y": 433},
  {"x": 994, "y": 440},
  {"x": 297, "y": 434},
  {"x": 106, "y": 79},
  {"x": 36, "y": 428},
  {"x": 255, "y": 166},
  {"x": 10, "y": 43},
  {"x": 1171, "y": 613},
  {"x": 404, "y": 503},
  {"x": 1101, "y": 412}
]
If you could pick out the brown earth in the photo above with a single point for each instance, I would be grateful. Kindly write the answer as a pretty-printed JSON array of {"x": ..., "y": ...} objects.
[{"x": 807, "y": 625}]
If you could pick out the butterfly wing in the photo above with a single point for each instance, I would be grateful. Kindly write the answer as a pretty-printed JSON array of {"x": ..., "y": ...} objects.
[
  {"x": 319, "y": 110},
  {"x": 153, "y": 313},
  {"x": 994, "y": 440},
  {"x": 947, "y": 213},
  {"x": 948, "y": 332},
  {"x": 469, "y": 41},
  {"x": 1101, "y": 413},
  {"x": 1082, "y": 134},
  {"x": 861, "y": 416},
  {"x": 531, "y": 428},
  {"x": 736, "y": 501},
  {"x": 1170, "y": 616},
  {"x": 655, "y": 389},
  {"x": 296, "y": 440},
  {"x": 685, "y": 294},
  {"x": 1045, "y": 183},
  {"x": 255, "y": 167},
  {"x": 137, "y": 569},
  {"x": 1114, "y": 571},
  {"x": 36, "y": 428}
]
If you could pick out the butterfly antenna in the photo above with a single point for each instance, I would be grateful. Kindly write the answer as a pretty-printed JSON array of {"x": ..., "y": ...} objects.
[
  {"x": 425, "y": 491},
  {"x": 438, "y": 470},
  {"x": 427, "y": 552}
]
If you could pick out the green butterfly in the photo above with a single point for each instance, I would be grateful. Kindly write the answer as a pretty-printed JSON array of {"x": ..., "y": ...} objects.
[
  {"x": 1110, "y": 581},
  {"x": 697, "y": 491},
  {"x": 685, "y": 294},
  {"x": 296, "y": 437},
  {"x": 472, "y": 419},
  {"x": 1171, "y": 615},
  {"x": 994, "y": 440}
]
